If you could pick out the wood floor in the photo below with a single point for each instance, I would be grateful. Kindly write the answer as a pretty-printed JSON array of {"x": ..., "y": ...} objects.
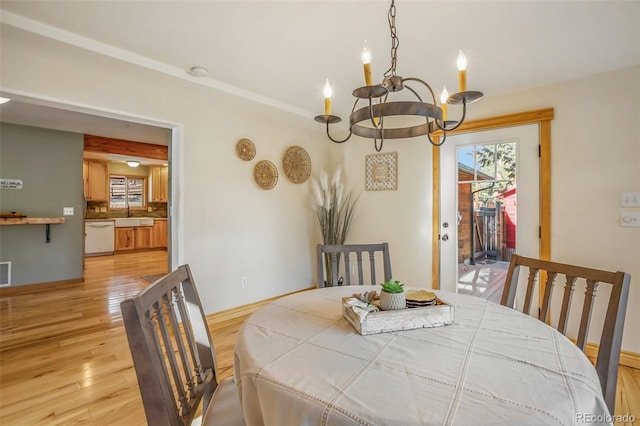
[{"x": 64, "y": 357}]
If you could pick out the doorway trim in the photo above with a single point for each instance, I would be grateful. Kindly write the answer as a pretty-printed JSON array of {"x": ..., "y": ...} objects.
[
  {"x": 543, "y": 118},
  {"x": 175, "y": 249}
]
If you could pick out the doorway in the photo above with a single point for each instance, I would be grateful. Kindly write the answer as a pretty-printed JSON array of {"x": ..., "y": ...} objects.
[
  {"x": 540, "y": 118},
  {"x": 489, "y": 207},
  {"x": 33, "y": 111}
]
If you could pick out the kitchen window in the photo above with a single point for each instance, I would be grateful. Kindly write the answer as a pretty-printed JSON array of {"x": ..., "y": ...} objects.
[{"x": 126, "y": 192}]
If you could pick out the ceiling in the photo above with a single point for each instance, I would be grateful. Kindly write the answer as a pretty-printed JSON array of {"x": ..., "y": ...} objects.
[{"x": 281, "y": 52}]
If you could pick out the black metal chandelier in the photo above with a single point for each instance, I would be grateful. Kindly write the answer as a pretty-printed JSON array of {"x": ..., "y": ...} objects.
[{"x": 369, "y": 121}]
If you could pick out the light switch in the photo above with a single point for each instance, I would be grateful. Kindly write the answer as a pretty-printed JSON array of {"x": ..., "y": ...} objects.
[
  {"x": 630, "y": 199},
  {"x": 630, "y": 219},
  {"x": 67, "y": 211}
]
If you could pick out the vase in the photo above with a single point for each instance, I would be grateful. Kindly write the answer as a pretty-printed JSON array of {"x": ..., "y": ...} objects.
[{"x": 392, "y": 301}]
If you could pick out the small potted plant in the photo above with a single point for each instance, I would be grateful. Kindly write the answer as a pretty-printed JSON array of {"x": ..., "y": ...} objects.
[{"x": 392, "y": 296}]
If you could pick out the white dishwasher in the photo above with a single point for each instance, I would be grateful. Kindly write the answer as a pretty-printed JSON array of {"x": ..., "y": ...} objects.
[{"x": 99, "y": 238}]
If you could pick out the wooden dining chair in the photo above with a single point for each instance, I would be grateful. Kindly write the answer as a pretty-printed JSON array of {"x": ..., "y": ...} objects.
[
  {"x": 611, "y": 336},
  {"x": 329, "y": 257},
  {"x": 174, "y": 357}
]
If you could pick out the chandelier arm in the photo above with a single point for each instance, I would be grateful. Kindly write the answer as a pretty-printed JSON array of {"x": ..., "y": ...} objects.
[
  {"x": 433, "y": 96},
  {"x": 375, "y": 141},
  {"x": 373, "y": 120},
  {"x": 459, "y": 123},
  {"x": 336, "y": 140},
  {"x": 444, "y": 138},
  {"x": 414, "y": 92}
]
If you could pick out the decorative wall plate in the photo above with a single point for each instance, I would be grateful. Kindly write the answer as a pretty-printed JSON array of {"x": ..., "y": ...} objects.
[
  {"x": 265, "y": 174},
  {"x": 296, "y": 164},
  {"x": 246, "y": 149}
]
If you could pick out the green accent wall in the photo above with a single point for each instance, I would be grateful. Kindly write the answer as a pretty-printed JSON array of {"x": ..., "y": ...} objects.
[{"x": 49, "y": 163}]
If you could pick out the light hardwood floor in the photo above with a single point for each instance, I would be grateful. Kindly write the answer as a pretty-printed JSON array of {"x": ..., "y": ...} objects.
[{"x": 64, "y": 357}]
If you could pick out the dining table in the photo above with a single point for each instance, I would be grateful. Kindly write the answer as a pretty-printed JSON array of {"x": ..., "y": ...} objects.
[{"x": 298, "y": 361}]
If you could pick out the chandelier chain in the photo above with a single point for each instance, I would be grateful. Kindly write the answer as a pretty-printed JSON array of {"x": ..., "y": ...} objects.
[{"x": 395, "y": 42}]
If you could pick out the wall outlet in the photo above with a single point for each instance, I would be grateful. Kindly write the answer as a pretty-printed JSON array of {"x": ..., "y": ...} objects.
[
  {"x": 67, "y": 211},
  {"x": 630, "y": 219},
  {"x": 244, "y": 282}
]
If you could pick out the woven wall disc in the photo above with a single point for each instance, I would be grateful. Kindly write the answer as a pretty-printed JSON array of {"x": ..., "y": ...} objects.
[
  {"x": 296, "y": 164},
  {"x": 245, "y": 149},
  {"x": 265, "y": 174}
]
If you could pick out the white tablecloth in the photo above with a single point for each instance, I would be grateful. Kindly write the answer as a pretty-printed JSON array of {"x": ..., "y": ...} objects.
[{"x": 299, "y": 362}]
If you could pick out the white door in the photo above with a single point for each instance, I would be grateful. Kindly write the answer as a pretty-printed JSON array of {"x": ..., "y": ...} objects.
[{"x": 474, "y": 249}]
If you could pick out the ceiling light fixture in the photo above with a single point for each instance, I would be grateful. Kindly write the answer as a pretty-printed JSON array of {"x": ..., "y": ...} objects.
[
  {"x": 198, "y": 71},
  {"x": 133, "y": 163},
  {"x": 369, "y": 121},
  {"x": 4, "y": 100}
]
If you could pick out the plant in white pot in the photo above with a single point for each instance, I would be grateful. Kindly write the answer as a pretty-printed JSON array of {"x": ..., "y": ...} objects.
[{"x": 392, "y": 296}]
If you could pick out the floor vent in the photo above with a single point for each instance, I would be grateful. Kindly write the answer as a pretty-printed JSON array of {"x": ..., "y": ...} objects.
[{"x": 5, "y": 274}]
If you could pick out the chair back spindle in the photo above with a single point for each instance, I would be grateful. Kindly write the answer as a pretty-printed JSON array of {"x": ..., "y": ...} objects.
[
  {"x": 328, "y": 262},
  {"x": 608, "y": 355},
  {"x": 173, "y": 354}
]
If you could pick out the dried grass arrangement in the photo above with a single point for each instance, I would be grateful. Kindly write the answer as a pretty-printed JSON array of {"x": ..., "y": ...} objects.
[{"x": 334, "y": 206}]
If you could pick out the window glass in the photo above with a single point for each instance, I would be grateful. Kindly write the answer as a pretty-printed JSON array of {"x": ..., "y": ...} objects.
[{"x": 126, "y": 192}]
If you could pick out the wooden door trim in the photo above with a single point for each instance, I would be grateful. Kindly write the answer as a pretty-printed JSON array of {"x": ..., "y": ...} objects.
[{"x": 543, "y": 118}]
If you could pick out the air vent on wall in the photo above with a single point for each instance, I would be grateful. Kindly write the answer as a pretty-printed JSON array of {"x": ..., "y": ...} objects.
[{"x": 5, "y": 274}]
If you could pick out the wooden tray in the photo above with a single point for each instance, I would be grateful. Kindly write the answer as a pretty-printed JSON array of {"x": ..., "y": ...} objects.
[{"x": 403, "y": 319}]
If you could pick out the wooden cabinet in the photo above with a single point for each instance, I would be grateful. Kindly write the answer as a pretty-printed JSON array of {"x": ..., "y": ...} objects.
[
  {"x": 95, "y": 174},
  {"x": 159, "y": 181},
  {"x": 125, "y": 239},
  {"x": 160, "y": 234},
  {"x": 142, "y": 237},
  {"x": 130, "y": 238}
]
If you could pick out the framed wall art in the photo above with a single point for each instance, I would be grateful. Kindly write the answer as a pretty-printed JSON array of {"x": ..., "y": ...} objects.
[{"x": 381, "y": 172}]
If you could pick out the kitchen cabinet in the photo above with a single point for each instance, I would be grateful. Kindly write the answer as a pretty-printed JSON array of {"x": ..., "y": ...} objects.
[
  {"x": 159, "y": 181},
  {"x": 95, "y": 174},
  {"x": 142, "y": 237},
  {"x": 136, "y": 237},
  {"x": 160, "y": 234},
  {"x": 124, "y": 239}
]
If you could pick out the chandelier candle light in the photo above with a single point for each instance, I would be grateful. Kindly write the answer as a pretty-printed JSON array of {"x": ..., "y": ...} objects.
[{"x": 368, "y": 121}]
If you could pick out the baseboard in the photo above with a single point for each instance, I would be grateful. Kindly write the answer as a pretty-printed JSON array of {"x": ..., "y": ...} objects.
[
  {"x": 627, "y": 358},
  {"x": 246, "y": 309},
  {"x": 18, "y": 290}
]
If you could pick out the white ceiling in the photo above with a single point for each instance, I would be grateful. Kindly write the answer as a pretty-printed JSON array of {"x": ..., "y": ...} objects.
[{"x": 281, "y": 52}]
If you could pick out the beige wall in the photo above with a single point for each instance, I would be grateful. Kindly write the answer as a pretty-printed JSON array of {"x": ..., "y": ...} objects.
[
  {"x": 226, "y": 227},
  {"x": 595, "y": 157}
]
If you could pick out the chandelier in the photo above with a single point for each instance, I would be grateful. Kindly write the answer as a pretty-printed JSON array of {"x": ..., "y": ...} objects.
[{"x": 369, "y": 120}]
